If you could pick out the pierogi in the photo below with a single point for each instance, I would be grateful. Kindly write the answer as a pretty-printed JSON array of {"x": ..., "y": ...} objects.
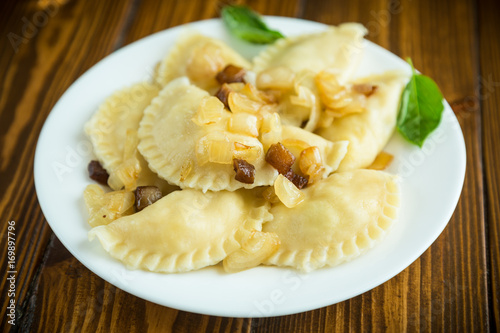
[
  {"x": 341, "y": 217},
  {"x": 169, "y": 138},
  {"x": 199, "y": 58},
  {"x": 184, "y": 230},
  {"x": 259, "y": 161},
  {"x": 368, "y": 132},
  {"x": 113, "y": 133},
  {"x": 338, "y": 49}
]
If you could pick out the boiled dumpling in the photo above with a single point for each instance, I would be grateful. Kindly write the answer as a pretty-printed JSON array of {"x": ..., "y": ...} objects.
[
  {"x": 369, "y": 131},
  {"x": 299, "y": 59},
  {"x": 340, "y": 217},
  {"x": 184, "y": 230},
  {"x": 301, "y": 105},
  {"x": 170, "y": 141},
  {"x": 338, "y": 49},
  {"x": 332, "y": 153},
  {"x": 199, "y": 58},
  {"x": 113, "y": 133}
]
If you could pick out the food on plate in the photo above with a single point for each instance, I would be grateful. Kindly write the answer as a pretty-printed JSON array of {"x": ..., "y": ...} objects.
[
  {"x": 382, "y": 161},
  {"x": 185, "y": 230},
  {"x": 254, "y": 250},
  {"x": 245, "y": 172},
  {"x": 292, "y": 65},
  {"x": 247, "y": 162},
  {"x": 113, "y": 133},
  {"x": 200, "y": 58},
  {"x": 170, "y": 139},
  {"x": 338, "y": 49},
  {"x": 339, "y": 218},
  {"x": 105, "y": 207},
  {"x": 146, "y": 196},
  {"x": 330, "y": 153},
  {"x": 97, "y": 172},
  {"x": 368, "y": 131}
]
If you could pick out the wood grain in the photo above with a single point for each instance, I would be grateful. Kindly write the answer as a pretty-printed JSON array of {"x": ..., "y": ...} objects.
[
  {"x": 154, "y": 16},
  {"x": 489, "y": 98},
  {"x": 33, "y": 79},
  {"x": 447, "y": 289}
]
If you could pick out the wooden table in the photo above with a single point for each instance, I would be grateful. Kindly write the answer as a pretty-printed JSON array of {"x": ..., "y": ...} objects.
[{"x": 454, "y": 286}]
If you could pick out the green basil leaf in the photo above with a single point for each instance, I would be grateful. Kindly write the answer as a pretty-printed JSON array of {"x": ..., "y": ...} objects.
[
  {"x": 247, "y": 24},
  {"x": 420, "y": 108}
]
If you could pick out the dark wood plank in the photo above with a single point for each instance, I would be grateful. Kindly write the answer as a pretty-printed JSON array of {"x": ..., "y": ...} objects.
[
  {"x": 154, "y": 16},
  {"x": 70, "y": 298},
  {"x": 65, "y": 42},
  {"x": 489, "y": 97},
  {"x": 432, "y": 34},
  {"x": 73, "y": 298}
]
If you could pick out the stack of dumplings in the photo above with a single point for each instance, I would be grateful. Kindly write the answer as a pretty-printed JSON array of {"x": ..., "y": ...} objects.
[{"x": 261, "y": 162}]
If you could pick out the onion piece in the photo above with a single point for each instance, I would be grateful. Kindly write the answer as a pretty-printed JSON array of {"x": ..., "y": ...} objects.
[
  {"x": 306, "y": 98},
  {"x": 220, "y": 152},
  {"x": 127, "y": 173},
  {"x": 269, "y": 195},
  {"x": 209, "y": 111},
  {"x": 205, "y": 62},
  {"x": 330, "y": 90},
  {"x": 236, "y": 86},
  {"x": 244, "y": 123},
  {"x": 257, "y": 95},
  {"x": 281, "y": 78},
  {"x": 214, "y": 147},
  {"x": 270, "y": 130},
  {"x": 259, "y": 246},
  {"x": 382, "y": 161},
  {"x": 246, "y": 152},
  {"x": 326, "y": 119},
  {"x": 295, "y": 146},
  {"x": 341, "y": 100},
  {"x": 241, "y": 103},
  {"x": 104, "y": 208},
  {"x": 311, "y": 164},
  {"x": 287, "y": 192}
]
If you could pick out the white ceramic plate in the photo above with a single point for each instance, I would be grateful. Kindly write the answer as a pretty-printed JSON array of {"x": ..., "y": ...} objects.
[{"x": 431, "y": 186}]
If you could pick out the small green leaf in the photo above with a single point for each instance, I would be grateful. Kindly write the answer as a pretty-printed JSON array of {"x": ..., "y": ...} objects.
[
  {"x": 247, "y": 24},
  {"x": 420, "y": 108}
]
